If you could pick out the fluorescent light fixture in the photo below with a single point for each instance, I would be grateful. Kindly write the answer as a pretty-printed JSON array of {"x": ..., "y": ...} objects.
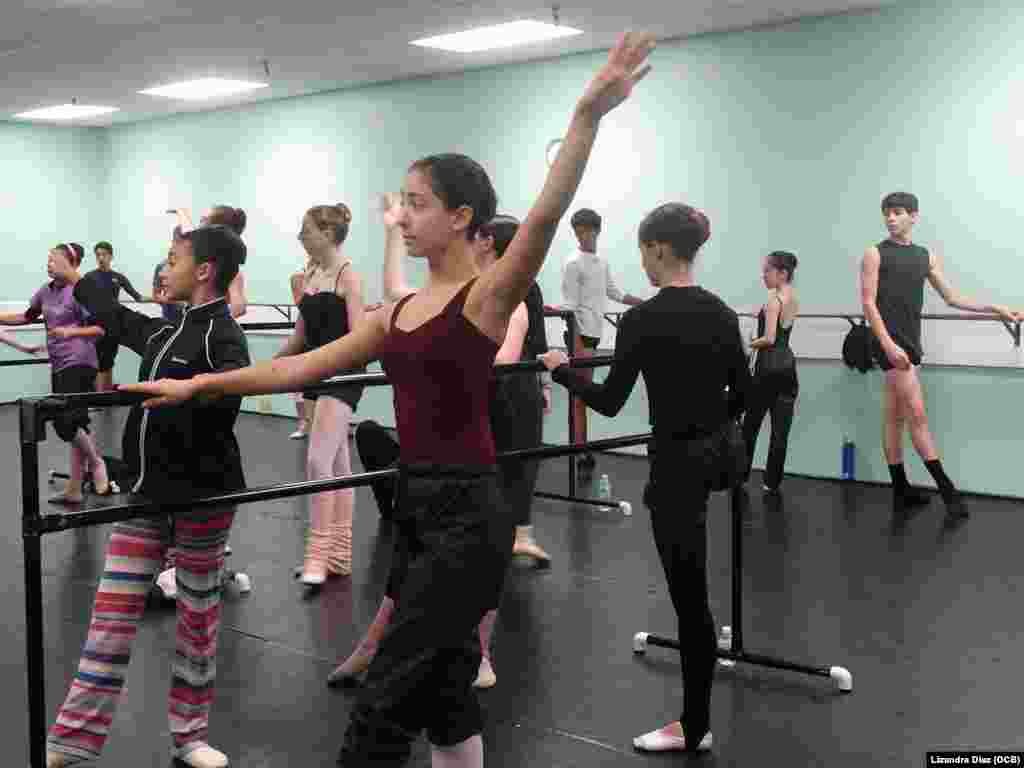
[
  {"x": 206, "y": 88},
  {"x": 498, "y": 36},
  {"x": 66, "y": 112}
]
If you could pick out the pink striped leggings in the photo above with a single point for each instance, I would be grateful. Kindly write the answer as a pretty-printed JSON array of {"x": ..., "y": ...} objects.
[{"x": 135, "y": 555}]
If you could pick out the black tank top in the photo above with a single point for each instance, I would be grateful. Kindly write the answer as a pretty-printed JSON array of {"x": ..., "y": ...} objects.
[
  {"x": 324, "y": 316},
  {"x": 778, "y": 359},
  {"x": 902, "y": 271},
  {"x": 781, "y": 334}
]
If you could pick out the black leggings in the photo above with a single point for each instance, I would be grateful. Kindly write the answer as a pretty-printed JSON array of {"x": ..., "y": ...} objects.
[
  {"x": 775, "y": 394},
  {"x": 72, "y": 380},
  {"x": 451, "y": 553},
  {"x": 517, "y": 421},
  {"x": 677, "y": 496}
]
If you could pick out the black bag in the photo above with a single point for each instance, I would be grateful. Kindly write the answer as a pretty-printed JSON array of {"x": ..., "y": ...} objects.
[
  {"x": 729, "y": 468},
  {"x": 857, "y": 348}
]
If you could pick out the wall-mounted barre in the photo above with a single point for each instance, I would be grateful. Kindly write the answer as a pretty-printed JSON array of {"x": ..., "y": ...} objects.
[{"x": 851, "y": 317}]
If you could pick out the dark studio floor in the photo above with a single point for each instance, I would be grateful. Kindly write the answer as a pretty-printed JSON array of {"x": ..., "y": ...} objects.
[{"x": 926, "y": 619}]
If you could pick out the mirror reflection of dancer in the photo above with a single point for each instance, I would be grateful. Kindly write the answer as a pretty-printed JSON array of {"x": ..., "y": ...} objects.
[
  {"x": 892, "y": 280},
  {"x": 437, "y": 347}
]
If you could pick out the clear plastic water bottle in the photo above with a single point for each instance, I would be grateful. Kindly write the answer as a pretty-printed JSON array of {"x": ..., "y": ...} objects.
[
  {"x": 604, "y": 491},
  {"x": 725, "y": 644}
]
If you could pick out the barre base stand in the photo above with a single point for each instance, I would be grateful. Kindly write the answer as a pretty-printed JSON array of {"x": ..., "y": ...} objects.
[{"x": 730, "y": 642}]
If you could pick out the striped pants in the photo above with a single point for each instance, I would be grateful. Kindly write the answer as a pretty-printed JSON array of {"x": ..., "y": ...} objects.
[{"x": 135, "y": 555}]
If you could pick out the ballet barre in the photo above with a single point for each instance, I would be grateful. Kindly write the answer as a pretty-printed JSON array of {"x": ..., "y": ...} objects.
[{"x": 34, "y": 413}]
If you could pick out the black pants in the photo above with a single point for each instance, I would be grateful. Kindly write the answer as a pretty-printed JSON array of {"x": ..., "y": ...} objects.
[
  {"x": 775, "y": 394},
  {"x": 677, "y": 496},
  {"x": 517, "y": 421},
  {"x": 378, "y": 449},
  {"x": 72, "y": 380},
  {"x": 451, "y": 553}
]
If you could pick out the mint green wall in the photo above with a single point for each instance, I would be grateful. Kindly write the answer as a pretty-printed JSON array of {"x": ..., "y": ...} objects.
[
  {"x": 54, "y": 189},
  {"x": 788, "y": 137}
]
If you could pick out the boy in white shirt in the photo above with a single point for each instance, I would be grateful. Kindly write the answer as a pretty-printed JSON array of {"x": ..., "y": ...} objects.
[{"x": 586, "y": 285}]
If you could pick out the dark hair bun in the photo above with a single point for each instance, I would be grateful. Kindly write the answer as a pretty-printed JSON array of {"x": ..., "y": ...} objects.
[
  {"x": 784, "y": 261},
  {"x": 237, "y": 220}
]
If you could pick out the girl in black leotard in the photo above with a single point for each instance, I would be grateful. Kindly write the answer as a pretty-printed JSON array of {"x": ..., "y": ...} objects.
[
  {"x": 775, "y": 381},
  {"x": 438, "y": 348},
  {"x": 331, "y": 306}
]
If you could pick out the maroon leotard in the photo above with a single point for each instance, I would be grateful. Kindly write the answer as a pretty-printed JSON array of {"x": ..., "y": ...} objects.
[{"x": 441, "y": 374}]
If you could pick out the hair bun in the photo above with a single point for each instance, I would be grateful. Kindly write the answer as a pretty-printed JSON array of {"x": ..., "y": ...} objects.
[{"x": 346, "y": 214}]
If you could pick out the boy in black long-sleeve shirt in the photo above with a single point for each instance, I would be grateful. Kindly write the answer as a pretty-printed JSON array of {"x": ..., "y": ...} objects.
[{"x": 686, "y": 342}]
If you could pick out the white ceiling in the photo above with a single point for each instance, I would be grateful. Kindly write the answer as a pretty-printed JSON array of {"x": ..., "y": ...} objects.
[{"x": 104, "y": 51}]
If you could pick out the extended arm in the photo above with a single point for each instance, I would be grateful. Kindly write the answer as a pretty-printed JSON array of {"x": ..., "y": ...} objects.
[
  {"x": 606, "y": 398},
  {"x": 615, "y": 293},
  {"x": 954, "y": 298}
]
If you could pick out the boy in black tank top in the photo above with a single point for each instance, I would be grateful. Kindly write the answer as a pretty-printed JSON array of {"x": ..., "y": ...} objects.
[{"x": 892, "y": 290}]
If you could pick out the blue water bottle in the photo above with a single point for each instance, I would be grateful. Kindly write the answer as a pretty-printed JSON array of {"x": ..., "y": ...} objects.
[{"x": 848, "y": 471}]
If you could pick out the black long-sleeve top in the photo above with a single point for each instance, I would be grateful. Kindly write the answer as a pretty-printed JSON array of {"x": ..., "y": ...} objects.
[
  {"x": 686, "y": 342},
  {"x": 189, "y": 449}
]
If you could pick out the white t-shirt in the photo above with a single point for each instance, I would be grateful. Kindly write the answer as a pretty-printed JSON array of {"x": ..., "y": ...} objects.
[{"x": 586, "y": 284}]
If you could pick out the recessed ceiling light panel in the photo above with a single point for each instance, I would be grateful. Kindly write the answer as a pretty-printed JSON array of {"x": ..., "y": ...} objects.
[
  {"x": 206, "y": 88},
  {"x": 498, "y": 36}
]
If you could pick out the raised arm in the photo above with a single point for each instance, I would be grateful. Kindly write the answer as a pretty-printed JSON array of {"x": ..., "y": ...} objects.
[
  {"x": 350, "y": 288},
  {"x": 394, "y": 249},
  {"x": 953, "y": 298},
  {"x": 135, "y": 328},
  {"x": 237, "y": 300},
  {"x": 500, "y": 289}
]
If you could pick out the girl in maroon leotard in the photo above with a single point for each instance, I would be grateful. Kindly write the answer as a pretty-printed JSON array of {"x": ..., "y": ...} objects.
[{"x": 438, "y": 347}]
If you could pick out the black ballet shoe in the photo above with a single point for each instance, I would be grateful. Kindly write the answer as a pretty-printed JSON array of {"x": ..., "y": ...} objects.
[{"x": 956, "y": 511}]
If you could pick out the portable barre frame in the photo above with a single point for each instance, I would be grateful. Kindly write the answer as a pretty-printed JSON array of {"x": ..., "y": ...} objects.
[
  {"x": 731, "y": 652},
  {"x": 34, "y": 413}
]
